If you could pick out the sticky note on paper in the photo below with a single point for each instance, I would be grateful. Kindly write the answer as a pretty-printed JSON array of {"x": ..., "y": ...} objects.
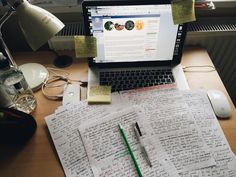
[
  {"x": 85, "y": 46},
  {"x": 183, "y": 11},
  {"x": 99, "y": 94}
]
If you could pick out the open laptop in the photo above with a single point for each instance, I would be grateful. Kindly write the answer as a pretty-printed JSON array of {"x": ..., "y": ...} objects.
[{"x": 138, "y": 44}]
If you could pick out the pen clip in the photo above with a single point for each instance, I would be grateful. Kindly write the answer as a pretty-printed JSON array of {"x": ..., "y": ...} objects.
[{"x": 138, "y": 129}]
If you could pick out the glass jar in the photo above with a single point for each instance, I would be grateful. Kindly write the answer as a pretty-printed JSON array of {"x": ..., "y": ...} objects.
[{"x": 13, "y": 82}]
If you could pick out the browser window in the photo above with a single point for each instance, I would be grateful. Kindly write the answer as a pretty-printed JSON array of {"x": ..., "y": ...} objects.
[{"x": 133, "y": 33}]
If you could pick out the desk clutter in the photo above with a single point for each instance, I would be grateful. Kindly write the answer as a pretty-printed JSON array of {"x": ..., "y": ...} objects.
[{"x": 177, "y": 129}]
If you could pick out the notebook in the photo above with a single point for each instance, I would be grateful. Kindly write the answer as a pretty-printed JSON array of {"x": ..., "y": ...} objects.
[{"x": 138, "y": 44}]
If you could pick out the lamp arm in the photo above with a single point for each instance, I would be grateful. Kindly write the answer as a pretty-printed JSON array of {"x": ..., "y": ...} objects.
[
  {"x": 2, "y": 42},
  {"x": 6, "y": 16}
]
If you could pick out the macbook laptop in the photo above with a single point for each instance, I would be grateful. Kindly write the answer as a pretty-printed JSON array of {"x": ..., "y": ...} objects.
[{"x": 138, "y": 44}]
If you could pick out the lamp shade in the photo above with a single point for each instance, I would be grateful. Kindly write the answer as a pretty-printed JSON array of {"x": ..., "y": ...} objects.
[{"x": 37, "y": 24}]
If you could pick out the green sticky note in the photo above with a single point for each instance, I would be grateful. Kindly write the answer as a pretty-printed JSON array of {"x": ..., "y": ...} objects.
[
  {"x": 183, "y": 11},
  {"x": 1, "y": 115},
  {"x": 85, "y": 46}
]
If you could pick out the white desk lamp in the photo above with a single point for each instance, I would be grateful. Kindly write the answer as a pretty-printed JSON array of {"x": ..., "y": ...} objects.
[{"x": 38, "y": 26}]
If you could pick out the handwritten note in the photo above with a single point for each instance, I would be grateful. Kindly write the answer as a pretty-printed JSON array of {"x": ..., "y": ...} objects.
[
  {"x": 107, "y": 153},
  {"x": 171, "y": 123},
  {"x": 183, "y": 134},
  {"x": 63, "y": 126},
  {"x": 213, "y": 135}
]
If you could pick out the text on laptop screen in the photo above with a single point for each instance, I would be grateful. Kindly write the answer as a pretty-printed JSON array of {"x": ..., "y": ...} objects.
[{"x": 133, "y": 33}]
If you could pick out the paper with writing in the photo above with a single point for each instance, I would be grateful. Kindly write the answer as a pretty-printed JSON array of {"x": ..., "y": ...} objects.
[
  {"x": 213, "y": 136},
  {"x": 63, "y": 126},
  {"x": 186, "y": 118},
  {"x": 171, "y": 123},
  {"x": 107, "y": 153}
]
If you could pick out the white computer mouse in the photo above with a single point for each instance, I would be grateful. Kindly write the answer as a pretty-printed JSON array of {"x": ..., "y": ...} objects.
[{"x": 219, "y": 103}]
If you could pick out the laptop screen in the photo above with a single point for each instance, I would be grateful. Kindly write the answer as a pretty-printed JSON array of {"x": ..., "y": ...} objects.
[{"x": 134, "y": 33}]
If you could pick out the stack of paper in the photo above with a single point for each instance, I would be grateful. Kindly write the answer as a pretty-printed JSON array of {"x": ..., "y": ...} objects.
[{"x": 181, "y": 128}]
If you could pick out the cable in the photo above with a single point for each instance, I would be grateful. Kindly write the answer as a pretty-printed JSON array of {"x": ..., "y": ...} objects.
[
  {"x": 208, "y": 68},
  {"x": 58, "y": 78},
  {"x": 65, "y": 75}
]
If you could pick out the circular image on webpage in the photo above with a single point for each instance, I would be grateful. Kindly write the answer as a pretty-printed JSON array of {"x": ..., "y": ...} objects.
[
  {"x": 129, "y": 25},
  {"x": 119, "y": 27},
  {"x": 109, "y": 25}
]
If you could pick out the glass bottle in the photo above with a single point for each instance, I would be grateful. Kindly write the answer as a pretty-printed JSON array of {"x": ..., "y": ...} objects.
[
  {"x": 6, "y": 101},
  {"x": 13, "y": 82}
]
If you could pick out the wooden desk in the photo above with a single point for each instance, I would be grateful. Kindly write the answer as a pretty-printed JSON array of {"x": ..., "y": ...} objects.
[{"x": 38, "y": 158}]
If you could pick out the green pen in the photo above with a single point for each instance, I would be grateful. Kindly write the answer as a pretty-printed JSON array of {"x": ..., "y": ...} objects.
[{"x": 130, "y": 150}]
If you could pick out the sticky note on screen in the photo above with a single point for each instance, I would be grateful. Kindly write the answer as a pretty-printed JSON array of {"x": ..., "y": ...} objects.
[
  {"x": 85, "y": 46},
  {"x": 99, "y": 94},
  {"x": 183, "y": 11}
]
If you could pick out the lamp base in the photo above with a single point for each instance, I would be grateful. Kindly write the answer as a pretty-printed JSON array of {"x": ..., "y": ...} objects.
[
  {"x": 35, "y": 74},
  {"x": 62, "y": 61}
]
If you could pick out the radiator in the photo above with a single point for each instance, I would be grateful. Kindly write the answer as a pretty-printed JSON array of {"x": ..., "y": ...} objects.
[
  {"x": 64, "y": 40},
  {"x": 220, "y": 41}
]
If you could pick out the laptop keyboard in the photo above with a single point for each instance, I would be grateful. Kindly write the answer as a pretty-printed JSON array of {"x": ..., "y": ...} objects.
[{"x": 125, "y": 80}]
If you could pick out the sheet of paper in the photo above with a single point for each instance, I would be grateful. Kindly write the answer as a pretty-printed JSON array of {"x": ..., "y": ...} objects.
[
  {"x": 68, "y": 143},
  {"x": 183, "y": 11},
  {"x": 198, "y": 104},
  {"x": 171, "y": 123},
  {"x": 107, "y": 153},
  {"x": 213, "y": 136},
  {"x": 85, "y": 46},
  {"x": 63, "y": 126},
  {"x": 186, "y": 118}
]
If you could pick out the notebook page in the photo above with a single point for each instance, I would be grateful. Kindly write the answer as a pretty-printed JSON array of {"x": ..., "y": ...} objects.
[
  {"x": 212, "y": 135},
  {"x": 107, "y": 153},
  {"x": 172, "y": 127},
  {"x": 63, "y": 126}
]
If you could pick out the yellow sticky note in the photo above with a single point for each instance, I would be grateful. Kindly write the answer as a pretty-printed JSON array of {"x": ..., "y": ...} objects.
[
  {"x": 183, "y": 11},
  {"x": 85, "y": 46},
  {"x": 99, "y": 94}
]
